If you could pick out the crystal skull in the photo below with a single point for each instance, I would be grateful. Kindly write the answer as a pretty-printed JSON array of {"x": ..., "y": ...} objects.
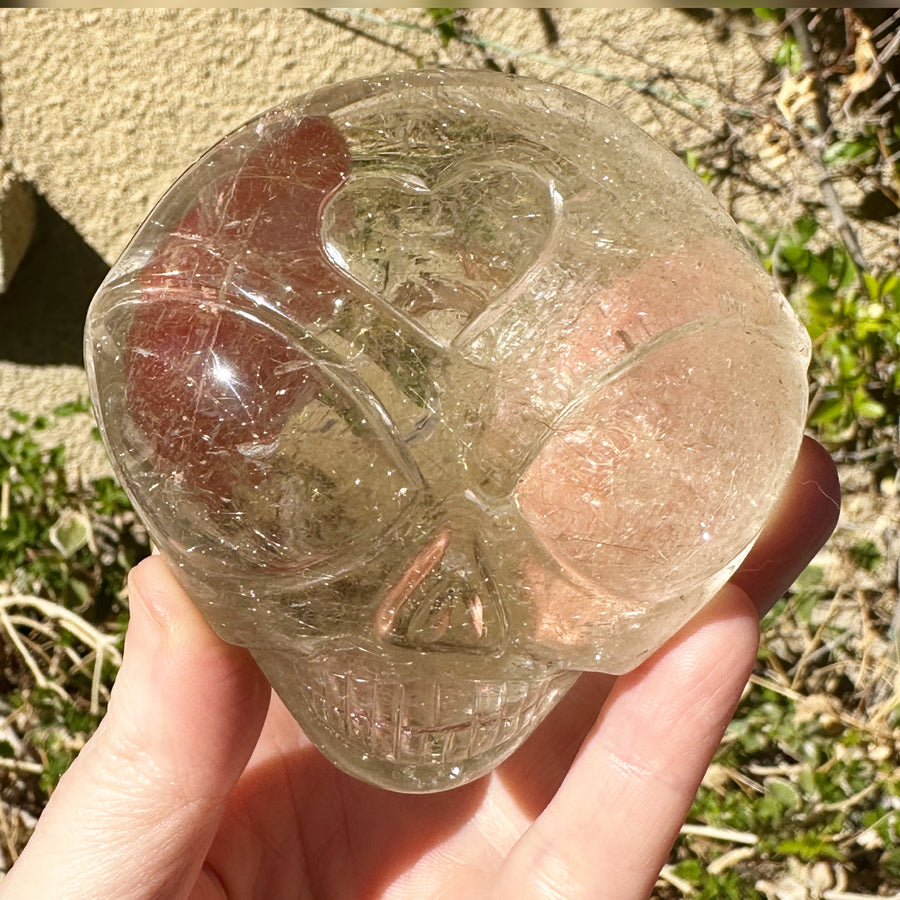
[{"x": 436, "y": 389}]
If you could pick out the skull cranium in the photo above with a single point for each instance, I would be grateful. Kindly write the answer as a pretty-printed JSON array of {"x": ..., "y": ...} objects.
[{"x": 437, "y": 389}]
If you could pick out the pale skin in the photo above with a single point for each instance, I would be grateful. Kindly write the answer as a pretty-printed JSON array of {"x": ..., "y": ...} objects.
[{"x": 200, "y": 785}]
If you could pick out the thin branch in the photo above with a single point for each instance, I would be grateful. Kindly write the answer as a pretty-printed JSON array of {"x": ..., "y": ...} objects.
[
  {"x": 729, "y": 860},
  {"x": 21, "y": 765},
  {"x": 844, "y": 895},
  {"x": 551, "y": 32},
  {"x": 640, "y": 85},
  {"x": 103, "y": 647},
  {"x": 815, "y": 145},
  {"x": 720, "y": 834},
  {"x": 668, "y": 875},
  {"x": 323, "y": 16}
]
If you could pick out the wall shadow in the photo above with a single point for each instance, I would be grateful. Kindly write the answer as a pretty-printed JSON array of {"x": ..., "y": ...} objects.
[{"x": 42, "y": 312}]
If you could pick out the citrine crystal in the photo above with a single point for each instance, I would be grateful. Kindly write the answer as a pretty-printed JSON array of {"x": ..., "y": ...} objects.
[{"x": 436, "y": 389}]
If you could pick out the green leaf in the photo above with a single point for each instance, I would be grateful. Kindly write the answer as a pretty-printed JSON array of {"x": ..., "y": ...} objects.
[
  {"x": 805, "y": 604},
  {"x": 82, "y": 593},
  {"x": 70, "y": 532},
  {"x": 789, "y": 55},
  {"x": 446, "y": 21},
  {"x": 806, "y": 779},
  {"x": 891, "y": 286},
  {"x": 787, "y": 796},
  {"x": 870, "y": 409},
  {"x": 846, "y": 270},
  {"x": 865, "y": 554},
  {"x": 873, "y": 287},
  {"x": 805, "y": 228},
  {"x": 71, "y": 408},
  {"x": 818, "y": 270},
  {"x": 848, "y": 360},
  {"x": 823, "y": 303},
  {"x": 865, "y": 407},
  {"x": 890, "y": 861},
  {"x": 828, "y": 411},
  {"x": 769, "y": 810},
  {"x": 808, "y": 847},
  {"x": 842, "y": 152},
  {"x": 689, "y": 870},
  {"x": 868, "y": 327}
]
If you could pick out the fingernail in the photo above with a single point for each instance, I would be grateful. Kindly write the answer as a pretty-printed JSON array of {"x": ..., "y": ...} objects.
[{"x": 151, "y": 584}]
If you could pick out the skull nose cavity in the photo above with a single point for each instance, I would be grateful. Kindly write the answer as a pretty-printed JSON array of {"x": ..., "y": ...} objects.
[{"x": 443, "y": 600}]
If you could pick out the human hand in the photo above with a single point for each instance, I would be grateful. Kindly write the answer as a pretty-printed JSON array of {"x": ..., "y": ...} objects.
[{"x": 199, "y": 784}]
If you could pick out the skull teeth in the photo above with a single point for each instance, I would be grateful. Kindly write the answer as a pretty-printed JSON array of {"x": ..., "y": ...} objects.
[{"x": 428, "y": 723}]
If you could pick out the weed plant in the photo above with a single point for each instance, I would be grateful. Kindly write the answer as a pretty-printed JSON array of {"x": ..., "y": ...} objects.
[{"x": 65, "y": 550}]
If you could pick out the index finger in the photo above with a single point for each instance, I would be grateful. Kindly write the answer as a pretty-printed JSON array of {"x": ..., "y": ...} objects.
[
  {"x": 802, "y": 521},
  {"x": 611, "y": 825}
]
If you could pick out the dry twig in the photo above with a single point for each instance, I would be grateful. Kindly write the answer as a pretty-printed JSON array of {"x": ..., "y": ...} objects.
[{"x": 815, "y": 144}]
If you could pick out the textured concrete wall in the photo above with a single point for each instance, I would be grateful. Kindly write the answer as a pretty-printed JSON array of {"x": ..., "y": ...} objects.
[{"x": 102, "y": 109}]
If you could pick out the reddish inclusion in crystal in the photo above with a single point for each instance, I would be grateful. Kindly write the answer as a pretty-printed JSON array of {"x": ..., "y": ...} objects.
[{"x": 203, "y": 378}]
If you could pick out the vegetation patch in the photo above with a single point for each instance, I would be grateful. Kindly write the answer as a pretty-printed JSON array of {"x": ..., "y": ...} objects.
[{"x": 65, "y": 551}]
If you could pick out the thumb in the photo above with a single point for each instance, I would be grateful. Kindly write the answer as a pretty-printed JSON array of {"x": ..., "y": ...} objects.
[{"x": 134, "y": 815}]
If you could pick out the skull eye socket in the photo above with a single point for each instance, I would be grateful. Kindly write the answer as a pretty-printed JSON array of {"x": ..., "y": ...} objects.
[
  {"x": 248, "y": 441},
  {"x": 341, "y": 480},
  {"x": 636, "y": 492},
  {"x": 203, "y": 382}
]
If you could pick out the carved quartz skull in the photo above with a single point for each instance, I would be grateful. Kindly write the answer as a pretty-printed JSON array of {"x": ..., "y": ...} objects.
[{"x": 437, "y": 389}]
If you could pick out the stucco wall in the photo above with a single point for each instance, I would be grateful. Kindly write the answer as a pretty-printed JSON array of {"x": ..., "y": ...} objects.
[{"x": 102, "y": 109}]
